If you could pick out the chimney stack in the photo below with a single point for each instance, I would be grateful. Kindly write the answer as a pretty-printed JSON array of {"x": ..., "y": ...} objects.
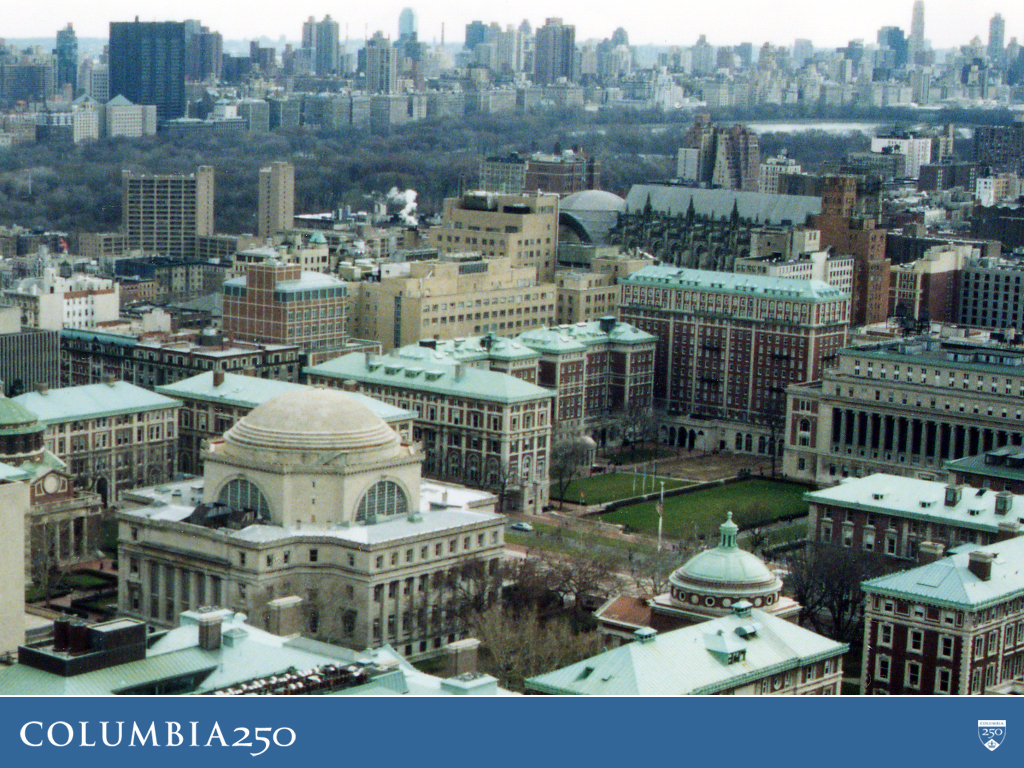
[
  {"x": 285, "y": 616},
  {"x": 218, "y": 378},
  {"x": 980, "y": 564},
  {"x": 209, "y": 622},
  {"x": 462, "y": 656},
  {"x": 1008, "y": 529},
  {"x": 929, "y": 552}
]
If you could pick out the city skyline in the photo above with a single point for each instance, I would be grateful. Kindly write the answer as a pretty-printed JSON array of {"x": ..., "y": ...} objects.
[{"x": 947, "y": 24}]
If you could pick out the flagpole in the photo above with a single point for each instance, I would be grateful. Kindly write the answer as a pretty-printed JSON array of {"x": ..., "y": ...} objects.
[{"x": 661, "y": 513}]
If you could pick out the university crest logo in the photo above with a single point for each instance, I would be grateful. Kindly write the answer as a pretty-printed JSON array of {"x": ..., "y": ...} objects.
[{"x": 991, "y": 733}]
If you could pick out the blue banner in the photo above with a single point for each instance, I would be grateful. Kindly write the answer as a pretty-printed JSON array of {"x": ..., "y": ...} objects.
[{"x": 761, "y": 731}]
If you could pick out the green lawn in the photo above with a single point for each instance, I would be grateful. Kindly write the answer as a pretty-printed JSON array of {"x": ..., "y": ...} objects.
[
  {"x": 609, "y": 486},
  {"x": 566, "y": 540},
  {"x": 702, "y": 512}
]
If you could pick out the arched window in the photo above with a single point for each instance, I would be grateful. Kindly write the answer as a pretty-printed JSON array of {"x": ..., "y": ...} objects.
[
  {"x": 384, "y": 499},
  {"x": 241, "y": 495}
]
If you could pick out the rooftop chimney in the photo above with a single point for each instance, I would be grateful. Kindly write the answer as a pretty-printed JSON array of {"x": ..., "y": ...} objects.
[
  {"x": 1004, "y": 502},
  {"x": 953, "y": 493},
  {"x": 462, "y": 656},
  {"x": 43, "y": 388},
  {"x": 285, "y": 616},
  {"x": 929, "y": 552},
  {"x": 1008, "y": 529},
  {"x": 218, "y": 378},
  {"x": 209, "y": 622},
  {"x": 980, "y": 564}
]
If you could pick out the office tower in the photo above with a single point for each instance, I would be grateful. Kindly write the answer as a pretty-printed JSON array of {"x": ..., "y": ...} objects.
[
  {"x": 996, "y": 37},
  {"x": 381, "y": 65},
  {"x": 892, "y": 38},
  {"x": 164, "y": 214},
  {"x": 276, "y": 199},
  {"x": 555, "y": 53},
  {"x": 67, "y": 58},
  {"x": 407, "y": 25},
  {"x": 147, "y": 65},
  {"x": 475, "y": 32},
  {"x": 326, "y": 46},
  {"x": 916, "y": 47}
]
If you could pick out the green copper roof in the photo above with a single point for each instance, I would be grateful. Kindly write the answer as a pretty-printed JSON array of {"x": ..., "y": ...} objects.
[
  {"x": 10, "y": 473},
  {"x": 689, "y": 660},
  {"x": 16, "y": 419},
  {"x": 950, "y": 583},
  {"x": 93, "y": 400},
  {"x": 441, "y": 377},
  {"x": 727, "y": 282}
]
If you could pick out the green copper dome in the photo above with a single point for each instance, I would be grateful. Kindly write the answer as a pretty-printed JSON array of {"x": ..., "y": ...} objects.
[
  {"x": 726, "y": 565},
  {"x": 16, "y": 419}
]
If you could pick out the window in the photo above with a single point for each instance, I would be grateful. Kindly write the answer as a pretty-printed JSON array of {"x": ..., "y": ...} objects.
[
  {"x": 314, "y": 555},
  {"x": 913, "y": 675},
  {"x": 885, "y": 634},
  {"x": 882, "y": 666},
  {"x": 242, "y": 496},
  {"x": 942, "y": 680},
  {"x": 380, "y": 561},
  {"x": 241, "y": 558},
  {"x": 384, "y": 499},
  {"x": 945, "y": 647},
  {"x": 916, "y": 640},
  {"x": 979, "y": 647}
]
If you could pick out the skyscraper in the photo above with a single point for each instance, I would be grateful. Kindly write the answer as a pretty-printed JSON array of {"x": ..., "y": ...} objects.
[
  {"x": 147, "y": 65},
  {"x": 407, "y": 25},
  {"x": 67, "y": 58},
  {"x": 916, "y": 47},
  {"x": 555, "y": 52},
  {"x": 996, "y": 37},
  {"x": 276, "y": 199}
]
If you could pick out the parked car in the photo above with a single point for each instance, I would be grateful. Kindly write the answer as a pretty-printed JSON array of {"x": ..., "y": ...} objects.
[{"x": 520, "y": 526}]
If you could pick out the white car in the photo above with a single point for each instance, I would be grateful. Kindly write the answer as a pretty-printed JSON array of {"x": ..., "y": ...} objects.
[{"x": 518, "y": 526}]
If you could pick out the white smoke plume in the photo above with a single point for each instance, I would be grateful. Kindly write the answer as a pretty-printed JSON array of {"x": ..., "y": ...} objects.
[{"x": 407, "y": 199}]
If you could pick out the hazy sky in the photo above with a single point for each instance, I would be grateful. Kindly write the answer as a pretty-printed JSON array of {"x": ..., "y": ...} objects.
[{"x": 661, "y": 22}]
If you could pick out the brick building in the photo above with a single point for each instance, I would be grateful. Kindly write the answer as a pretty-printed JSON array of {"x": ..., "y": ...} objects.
[
  {"x": 149, "y": 360},
  {"x": 283, "y": 304},
  {"x": 112, "y": 436},
  {"x": 953, "y": 626},
  {"x": 727, "y": 347},
  {"x": 894, "y": 516}
]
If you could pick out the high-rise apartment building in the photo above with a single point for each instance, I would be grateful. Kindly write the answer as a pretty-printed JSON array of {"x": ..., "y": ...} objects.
[
  {"x": 327, "y": 46},
  {"x": 523, "y": 228},
  {"x": 67, "y": 58},
  {"x": 147, "y": 65},
  {"x": 555, "y": 52},
  {"x": 381, "y": 65},
  {"x": 164, "y": 213},
  {"x": 723, "y": 157},
  {"x": 204, "y": 52},
  {"x": 276, "y": 199}
]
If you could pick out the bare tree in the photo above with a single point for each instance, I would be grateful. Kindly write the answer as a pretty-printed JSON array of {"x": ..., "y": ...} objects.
[
  {"x": 44, "y": 560},
  {"x": 825, "y": 580},
  {"x": 566, "y": 458},
  {"x": 520, "y": 645},
  {"x": 637, "y": 425}
]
